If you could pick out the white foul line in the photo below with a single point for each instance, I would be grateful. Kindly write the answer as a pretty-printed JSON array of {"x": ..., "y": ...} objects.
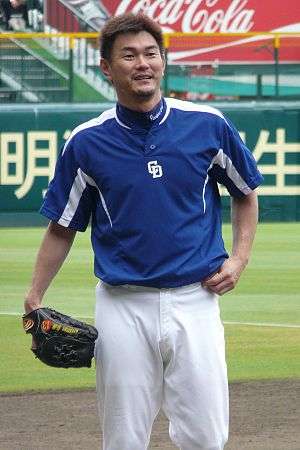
[
  {"x": 252, "y": 324},
  {"x": 263, "y": 324}
]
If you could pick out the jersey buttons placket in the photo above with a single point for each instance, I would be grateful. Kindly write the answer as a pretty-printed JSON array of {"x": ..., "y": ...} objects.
[
  {"x": 148, "y": 149},
  {"x": 150, "y": 144}
]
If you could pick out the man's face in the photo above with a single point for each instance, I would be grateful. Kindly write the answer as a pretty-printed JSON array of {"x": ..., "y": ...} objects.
[{"x": 135, "y": 68}]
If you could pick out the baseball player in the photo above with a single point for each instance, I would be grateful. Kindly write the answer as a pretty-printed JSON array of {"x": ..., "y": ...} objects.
[{"x": 146, "y": 172}]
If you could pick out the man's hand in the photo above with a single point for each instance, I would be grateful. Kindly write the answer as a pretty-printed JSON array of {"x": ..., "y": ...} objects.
[
  {"x": 31, "y": 304},
  {"x": 227, "y": 277}
]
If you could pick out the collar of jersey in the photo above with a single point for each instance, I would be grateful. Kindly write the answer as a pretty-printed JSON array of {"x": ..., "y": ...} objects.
[{"x": 136, "y": 120}]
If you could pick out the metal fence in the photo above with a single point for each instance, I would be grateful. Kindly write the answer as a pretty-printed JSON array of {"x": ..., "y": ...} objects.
[{"x": 64, "y": 67}]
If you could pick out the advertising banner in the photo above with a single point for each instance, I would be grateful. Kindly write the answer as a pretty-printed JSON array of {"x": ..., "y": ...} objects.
[
  {"x": 221, "y": 16},
  {"x": 197, "y": 16},
  {"x": 31, "y": 138}
]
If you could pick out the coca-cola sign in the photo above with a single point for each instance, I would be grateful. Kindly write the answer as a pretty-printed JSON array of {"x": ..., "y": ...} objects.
[
  {"x": 219, "y": 16},
  {"x": 194, "y": 16}
]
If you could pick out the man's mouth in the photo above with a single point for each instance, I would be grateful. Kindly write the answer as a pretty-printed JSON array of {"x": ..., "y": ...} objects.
[{"x": 142, "y": 77}]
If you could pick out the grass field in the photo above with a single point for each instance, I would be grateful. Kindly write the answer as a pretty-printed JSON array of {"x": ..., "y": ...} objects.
[{"x": 261, "y": 316}]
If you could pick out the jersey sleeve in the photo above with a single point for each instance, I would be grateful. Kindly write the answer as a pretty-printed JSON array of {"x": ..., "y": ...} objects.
[
  {"x": 234, "y": 165},
  {"x": 70, "y": 197}
]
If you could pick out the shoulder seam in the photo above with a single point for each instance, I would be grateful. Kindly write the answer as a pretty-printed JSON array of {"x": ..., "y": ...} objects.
[
  {"x": 96, "y": 121},
  {"x": 192, "y": 107}
]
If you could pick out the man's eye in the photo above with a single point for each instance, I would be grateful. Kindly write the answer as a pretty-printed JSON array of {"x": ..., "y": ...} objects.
[
  {"x": 128, "y": 57},
  {"x": 151, "y": 54}
]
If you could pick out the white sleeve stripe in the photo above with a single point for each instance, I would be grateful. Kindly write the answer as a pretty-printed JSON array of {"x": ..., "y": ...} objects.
[
  {"x": 222, "y": 160},
  {"x": 77, "y": 189},
  {"x": 203, "y": 193},
  {"x": 76, "y": 192}
]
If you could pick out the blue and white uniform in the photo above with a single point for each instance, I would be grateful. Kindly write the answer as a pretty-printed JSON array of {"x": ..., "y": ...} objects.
[{"x": 149, "y": 184}]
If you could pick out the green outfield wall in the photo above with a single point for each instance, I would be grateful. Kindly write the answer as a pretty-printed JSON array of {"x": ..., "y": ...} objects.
[{"x": 31, "y": 137}]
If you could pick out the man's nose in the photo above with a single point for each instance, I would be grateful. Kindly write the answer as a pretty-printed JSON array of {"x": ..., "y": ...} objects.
[{"x": 141, "y": 61}]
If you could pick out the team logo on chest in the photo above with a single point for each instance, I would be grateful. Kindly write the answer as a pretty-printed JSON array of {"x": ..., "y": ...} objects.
[{"x": 155, "y": 169}]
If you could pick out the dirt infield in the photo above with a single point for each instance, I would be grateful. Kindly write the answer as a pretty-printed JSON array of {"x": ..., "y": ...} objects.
[{"x": 263, "y": 417}]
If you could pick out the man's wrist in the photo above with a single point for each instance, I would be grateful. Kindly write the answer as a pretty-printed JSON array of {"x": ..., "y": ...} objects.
[
  {"x": 243, "y": 259},
  {"x": 32, "y": 303}
]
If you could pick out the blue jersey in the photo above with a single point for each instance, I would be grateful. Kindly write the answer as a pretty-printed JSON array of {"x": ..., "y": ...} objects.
[{"x": 149, "y": 184}]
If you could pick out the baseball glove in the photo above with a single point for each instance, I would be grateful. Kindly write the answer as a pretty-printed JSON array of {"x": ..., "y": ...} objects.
[{"x": 61, "y": 341}]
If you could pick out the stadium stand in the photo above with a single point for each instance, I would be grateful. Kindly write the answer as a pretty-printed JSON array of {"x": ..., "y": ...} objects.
[
  {"x": 25, "y": 77},
  {"x": 39, "y": 69},
  {"x": 62, "y": 68}
]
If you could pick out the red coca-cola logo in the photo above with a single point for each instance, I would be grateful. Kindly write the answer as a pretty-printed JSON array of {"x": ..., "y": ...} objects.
[{"x": 191, "y": 15}]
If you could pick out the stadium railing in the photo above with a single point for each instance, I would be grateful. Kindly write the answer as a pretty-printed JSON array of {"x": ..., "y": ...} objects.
[{"x": 43, "y": 67}]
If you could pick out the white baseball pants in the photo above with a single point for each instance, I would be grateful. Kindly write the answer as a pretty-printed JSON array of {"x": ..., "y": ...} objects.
[{"x": 161, "y": 348}]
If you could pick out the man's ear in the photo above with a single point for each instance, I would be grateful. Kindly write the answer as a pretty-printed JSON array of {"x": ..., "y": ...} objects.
[
  {"x": 105, "y": 68},
  {"x": 163, "y": 57}
]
